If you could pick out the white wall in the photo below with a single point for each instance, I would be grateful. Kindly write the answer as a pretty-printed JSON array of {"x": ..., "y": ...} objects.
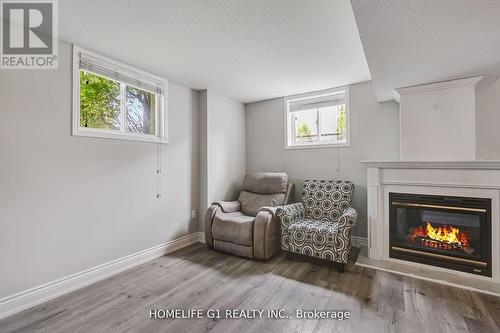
[
  {"x": 374, "y": 135},
  {"x": 70, "y": 203},
  {"x": 438, "y": 121},
  {"x": 203, "y": 151},
  {"x": 488, "y": 121},
  {"x": 222, "y": 148}
]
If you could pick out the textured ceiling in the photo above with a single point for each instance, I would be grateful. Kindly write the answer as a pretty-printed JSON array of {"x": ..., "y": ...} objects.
[
  {"x": 249, "y": 50},
  {"x": 413, "y": 42}
]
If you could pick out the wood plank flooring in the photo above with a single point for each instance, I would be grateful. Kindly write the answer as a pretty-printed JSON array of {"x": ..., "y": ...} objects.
[
  {"x": 427, "y": 272},
  {"x": 200, "y": 278}
]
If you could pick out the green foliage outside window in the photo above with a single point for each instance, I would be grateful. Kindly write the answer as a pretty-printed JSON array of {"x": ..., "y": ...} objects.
[
  {"x": 303, "y": 132},
  {"x": 99, "y": 102},
  {"x": 341, "y": 122}
]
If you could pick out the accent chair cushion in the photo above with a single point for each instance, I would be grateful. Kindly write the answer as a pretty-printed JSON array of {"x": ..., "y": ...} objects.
[
  {"x": 233, "y": 227},
  {"x": 313, "y": 231},
  {"x": 265, "y": 182},
  {"x": 314, "y": 238},
  {"x": 252, "y": 202}
]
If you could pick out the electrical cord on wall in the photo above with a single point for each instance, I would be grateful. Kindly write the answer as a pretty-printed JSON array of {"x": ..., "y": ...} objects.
[
  {"x": 158, "y": 170},
  {"x": 338, "y": 162}
]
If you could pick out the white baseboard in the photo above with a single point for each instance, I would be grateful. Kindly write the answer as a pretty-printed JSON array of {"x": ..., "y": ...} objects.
[
  {"x": 28, "y": 298},
  {"x": 359, "y": 241},
  {"x": 201, "y": 237}
]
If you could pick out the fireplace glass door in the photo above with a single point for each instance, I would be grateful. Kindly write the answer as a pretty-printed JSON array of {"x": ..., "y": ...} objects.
[{"x": 450, "y": 232}]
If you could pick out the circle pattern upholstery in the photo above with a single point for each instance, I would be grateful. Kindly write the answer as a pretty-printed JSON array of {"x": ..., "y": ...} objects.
[
  {"x": 326, "y": 199},
  {"x": 321, "y": 225}
]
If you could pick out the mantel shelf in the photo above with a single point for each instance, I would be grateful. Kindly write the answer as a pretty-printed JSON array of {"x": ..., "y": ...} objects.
[{"x": 478, "y": 164}]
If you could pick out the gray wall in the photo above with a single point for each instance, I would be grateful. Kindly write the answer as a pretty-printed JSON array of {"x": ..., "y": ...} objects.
[
  {"x": 222, "y": 148},
  {"x": 203, "y": 153},
  {"x": 488, "y": 121},
  {"x": 71, "y": 203},
  {"x": 374, "y": 135},
  {"x": 226, "y": 147}
]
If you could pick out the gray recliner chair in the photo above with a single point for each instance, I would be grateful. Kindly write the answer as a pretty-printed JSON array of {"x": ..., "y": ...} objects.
[{"x": 248, "y": 227}]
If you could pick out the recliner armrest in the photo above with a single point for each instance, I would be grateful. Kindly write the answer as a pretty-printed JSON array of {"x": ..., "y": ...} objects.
[
  {"x": 228, "y": 206},
  {"x": 269, "y": 209},
  {"x": 265, "y": 233}
]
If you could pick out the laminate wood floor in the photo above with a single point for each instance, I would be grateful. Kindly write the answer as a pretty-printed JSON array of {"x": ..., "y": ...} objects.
[{"x": 200, "y": 278}]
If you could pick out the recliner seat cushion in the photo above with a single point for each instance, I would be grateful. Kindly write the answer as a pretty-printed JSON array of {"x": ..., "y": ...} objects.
[
  {"x": 252, "y": 202},
  {"x": 233, "y": 227}
]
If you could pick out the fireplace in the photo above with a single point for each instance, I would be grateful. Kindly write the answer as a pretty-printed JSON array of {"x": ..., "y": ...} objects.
[{"x": 444, "y": 231}]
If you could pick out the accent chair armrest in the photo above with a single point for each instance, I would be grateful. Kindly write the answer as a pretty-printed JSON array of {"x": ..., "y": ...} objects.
[
  {"x": 349, "y": 218},
  {"x": 290, "y": 214},
  {"x": 343, "y": 237},
  {"x": 228, "y": 206}
]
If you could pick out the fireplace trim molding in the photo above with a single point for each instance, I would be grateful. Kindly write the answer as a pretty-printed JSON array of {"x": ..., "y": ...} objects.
[{"x": 450, "y": 178}]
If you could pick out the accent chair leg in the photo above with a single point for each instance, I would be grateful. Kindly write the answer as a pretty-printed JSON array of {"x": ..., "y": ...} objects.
[{"x": 340, "y": 267}]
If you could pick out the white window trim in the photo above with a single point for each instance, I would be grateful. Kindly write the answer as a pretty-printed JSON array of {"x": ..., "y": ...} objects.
[
  {"x": 288, "y": 138},
  {"x": 161, "y": 112}
]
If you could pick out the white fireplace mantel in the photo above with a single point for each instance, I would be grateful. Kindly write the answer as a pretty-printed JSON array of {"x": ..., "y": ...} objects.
[
  {"x": 453, "y": 178},
  {"x": 475, "y": 164}
]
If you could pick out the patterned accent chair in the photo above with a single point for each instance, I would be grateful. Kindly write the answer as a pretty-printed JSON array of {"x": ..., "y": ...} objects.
[{"x": 320, "y": 226}]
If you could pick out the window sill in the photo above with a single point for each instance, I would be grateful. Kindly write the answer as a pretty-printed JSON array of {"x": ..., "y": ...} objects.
[
  {"x": 324, "y": 145},
  {"x": 117, "y": 136}
]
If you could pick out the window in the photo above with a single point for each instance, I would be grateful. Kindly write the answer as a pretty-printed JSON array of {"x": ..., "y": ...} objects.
[
  {"x": 114, "y": 100},
  {"x": 319, "y": 119}
]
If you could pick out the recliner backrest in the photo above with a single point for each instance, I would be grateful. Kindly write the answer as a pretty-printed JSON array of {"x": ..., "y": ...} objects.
[
  {"x": 325, "y": 200},
  {"x": 265, "y": 182},
  {"x": 262, "y": 189}
]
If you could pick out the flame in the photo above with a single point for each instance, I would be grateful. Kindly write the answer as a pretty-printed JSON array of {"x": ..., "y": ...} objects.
[{"x": 446, "y": 234}]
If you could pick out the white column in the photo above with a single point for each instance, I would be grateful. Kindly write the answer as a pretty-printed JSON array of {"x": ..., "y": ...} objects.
[{"x": 375, "y": 214}]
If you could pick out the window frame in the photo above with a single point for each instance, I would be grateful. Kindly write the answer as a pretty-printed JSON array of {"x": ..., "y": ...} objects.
[
  {"x": 161, "y": 104},
  {"x": 289, "y": 137}
]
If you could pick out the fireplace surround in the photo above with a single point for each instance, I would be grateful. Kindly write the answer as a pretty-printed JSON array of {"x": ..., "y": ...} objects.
[
  {"x": 443, "y": 231},
  {"x": 449, "y": 179}
]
